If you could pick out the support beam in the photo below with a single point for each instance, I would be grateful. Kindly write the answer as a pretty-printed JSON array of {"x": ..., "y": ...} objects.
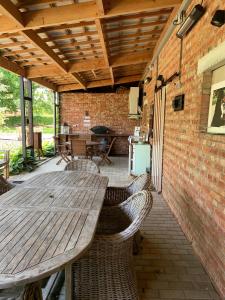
[
  {"x": 100, "y": 7},
  {"x": 112, "y": 75},
  {"x": 51, "y": 70},
  {"x": 14, "y": 14},
  {"x": 131, "y": 59},
  {"x": 120, "y": 7},
  {"x": 46, "y": 83},
  {"x": 90, "y": 64},
  {"x": 76, "y": 12},
  {"x": 11, "y": 66},
  {"x": 39, "y": 43},
  {"x": 8, "y": 9},
  {"x": 99, "y": 83}
]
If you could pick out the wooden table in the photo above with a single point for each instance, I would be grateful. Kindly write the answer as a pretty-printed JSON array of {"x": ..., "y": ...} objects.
[{"x": 46, "y": 223}]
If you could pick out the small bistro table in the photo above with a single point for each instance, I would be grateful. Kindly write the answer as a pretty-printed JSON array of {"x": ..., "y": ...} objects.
[{"x": 46, "y": 223}]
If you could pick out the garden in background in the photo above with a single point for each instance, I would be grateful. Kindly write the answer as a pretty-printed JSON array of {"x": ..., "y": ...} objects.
[{"x": 10, "y": 121}]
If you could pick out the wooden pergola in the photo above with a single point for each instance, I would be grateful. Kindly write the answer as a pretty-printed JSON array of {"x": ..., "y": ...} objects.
[{"x": 74, "y": 45}]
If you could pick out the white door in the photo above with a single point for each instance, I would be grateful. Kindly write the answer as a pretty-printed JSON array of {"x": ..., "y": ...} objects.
[{"x": 157, "y": 144}]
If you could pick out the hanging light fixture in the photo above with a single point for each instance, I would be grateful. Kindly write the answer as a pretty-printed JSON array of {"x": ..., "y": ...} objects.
[{"x": 195, "y": 15}]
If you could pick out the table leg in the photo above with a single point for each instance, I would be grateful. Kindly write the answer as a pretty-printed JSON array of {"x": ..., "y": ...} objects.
[
  {"x": 68, "y": 282},
  {"x": 32, "y": 291}
]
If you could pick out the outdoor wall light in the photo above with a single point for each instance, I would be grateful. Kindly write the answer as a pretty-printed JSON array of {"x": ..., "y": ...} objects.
[
  {"x": 161, "y": 78},
  {"x": 147, "y": 80},
  {"x": 195, "y": 15},
  {"x": 218, "y": 19}
]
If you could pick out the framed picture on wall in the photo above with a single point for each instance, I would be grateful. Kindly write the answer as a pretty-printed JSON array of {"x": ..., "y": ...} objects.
[{"x": 216, "y": 117}]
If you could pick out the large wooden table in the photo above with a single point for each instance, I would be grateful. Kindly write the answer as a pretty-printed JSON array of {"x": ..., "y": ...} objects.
[{"x": 46, "y": 223}]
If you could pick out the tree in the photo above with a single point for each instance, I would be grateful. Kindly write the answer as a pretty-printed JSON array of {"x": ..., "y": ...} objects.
[
  {"x": 10, "y": 95},
  {"x": 9, "y": 91},
  {"x": 42, "y": 100}
]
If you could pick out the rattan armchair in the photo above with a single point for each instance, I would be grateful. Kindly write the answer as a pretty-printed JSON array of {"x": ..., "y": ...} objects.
[
  {"x": 82, "y": 165},
  {"x": 116, "y": 195},
  {"x": 106, "y": 271},
  {"x": 5, "y": 186}
]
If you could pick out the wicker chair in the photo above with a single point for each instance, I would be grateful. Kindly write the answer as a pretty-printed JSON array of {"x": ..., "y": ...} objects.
[
  {"x": 116, "y": 195},
  {"x": 106, "y": 271},
  {"x": 5, "y": 186},
  {"x": 82, "y": 165}
]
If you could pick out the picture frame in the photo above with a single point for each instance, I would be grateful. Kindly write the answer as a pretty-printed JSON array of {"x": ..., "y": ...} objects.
[{"x": 216, "y": 115}]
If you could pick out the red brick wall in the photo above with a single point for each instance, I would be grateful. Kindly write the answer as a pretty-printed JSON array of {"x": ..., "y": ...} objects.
[
  {"x": 194, "y": 161},
  {"x": 110, "y": 110}
]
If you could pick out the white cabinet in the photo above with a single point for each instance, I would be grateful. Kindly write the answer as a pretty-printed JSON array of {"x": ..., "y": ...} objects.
[{"x": 139, "y": 158}]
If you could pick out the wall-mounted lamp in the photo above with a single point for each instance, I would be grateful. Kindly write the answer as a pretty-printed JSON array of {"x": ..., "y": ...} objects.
[
  {"x": 218, "y": 19},
  {"x": 195, "y": 15},
  {"x": 161, "y": 78},
  {"x": 147, "y": 80}
]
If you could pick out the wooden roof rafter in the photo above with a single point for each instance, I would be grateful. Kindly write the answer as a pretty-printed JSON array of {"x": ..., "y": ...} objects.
[
  {"x": 68, "y": 39},
  {"x": 102, "y": 37}
]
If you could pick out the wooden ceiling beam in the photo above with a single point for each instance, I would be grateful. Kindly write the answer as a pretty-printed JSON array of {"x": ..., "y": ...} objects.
[
  {"x": 10, "y": 11},
  {"x": 99, "y": 83},
  {"x": 136, "y": 26},
  {"x": 76, "y": 12},
  {"x": 46, "y": 83},
  {"x": 131, "y": 59},
  {"x": 39, "y": 43},
  {"x": 11, "y": 66},
  {"x": 90, "y": 64},
  {"x": 22, "y": 51},
  {"x": 70, "y": 36},
  {"x": 133, "y": 43},
  {"x": 134, "y": 35},
  {"x": 120, "y": 7},
  {"x": 140, "y": 15}
]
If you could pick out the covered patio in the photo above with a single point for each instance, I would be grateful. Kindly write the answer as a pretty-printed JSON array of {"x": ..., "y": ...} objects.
[{"x": 152, "y": 71}]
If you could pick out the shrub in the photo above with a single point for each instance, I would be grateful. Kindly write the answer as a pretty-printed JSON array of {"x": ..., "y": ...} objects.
[
  {"x": 17, "y": 163},
  {"x": 48, "y": 149},
  {"x": 13, "y": 121}
]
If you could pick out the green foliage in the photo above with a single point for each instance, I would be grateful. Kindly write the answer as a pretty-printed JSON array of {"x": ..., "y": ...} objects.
[
  {"x": 9, "y": 91},
  {"x": 48, "y": 149},
  {"x": 13, "y": 121},
  {"x": 17, "y": 163},
  {"x": 10, "y": 95},
  {"x": 42, "y": 100},
  {"x": 2, "y": 116}
]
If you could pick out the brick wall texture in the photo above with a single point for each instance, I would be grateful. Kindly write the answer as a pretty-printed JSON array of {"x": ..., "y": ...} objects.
[
  {"x": 194, "y": 161},
  {"x": 109, "y": 109}
]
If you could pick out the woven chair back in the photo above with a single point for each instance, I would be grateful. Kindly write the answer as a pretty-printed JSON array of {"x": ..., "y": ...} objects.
[
  {"x": 5, "y": 186},
  {"x": 82, "y": 165},
  {"x": 136, "y": 208},
  {"x": 140, "y": 183},
  {"x": 78, "y": 147}
]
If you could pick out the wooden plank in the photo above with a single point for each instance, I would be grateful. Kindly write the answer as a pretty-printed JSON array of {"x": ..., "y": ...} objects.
[
  {"x": 120, "y": 7},
  {"x": 102, "y": 40},
  {"x": 7, "y": 8},
  {"x": 51, "y": 70},
  {"x": 131, "y": 59},
  {"x": 80, "y": 12},
  {"x": 39, "y": 43},
  {"x": 11, "y": 66},
  {"x": 89, "y": 64},
  {"x": 100, "y": 7},
  {"x": 122, "y": 36},
  {"x": 99, "y": 83},
  {"x": 136, "y": 26},
  {"x": 69, "y": 282},
  {"x": 46, "y": 83}
]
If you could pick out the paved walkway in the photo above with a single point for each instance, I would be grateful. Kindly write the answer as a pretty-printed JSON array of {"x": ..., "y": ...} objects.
[{"x": 166, "y": 267}]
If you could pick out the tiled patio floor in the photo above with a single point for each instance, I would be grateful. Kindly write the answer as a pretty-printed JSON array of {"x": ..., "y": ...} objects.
[{"x": 166, "y": 267}]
